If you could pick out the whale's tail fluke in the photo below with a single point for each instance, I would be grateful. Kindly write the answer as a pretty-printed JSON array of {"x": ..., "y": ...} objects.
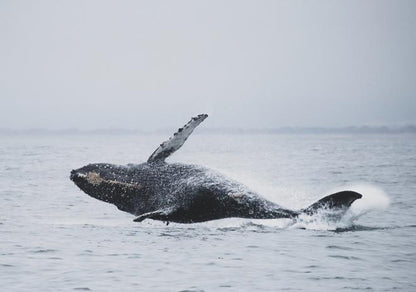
[{"x": 340, "y": 201}]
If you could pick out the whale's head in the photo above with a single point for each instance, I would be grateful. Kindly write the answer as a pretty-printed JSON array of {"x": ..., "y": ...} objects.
[{"x": 108, "y": 183}]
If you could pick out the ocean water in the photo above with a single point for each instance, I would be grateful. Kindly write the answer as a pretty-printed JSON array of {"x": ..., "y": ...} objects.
[{"x": 56, "y": 238}]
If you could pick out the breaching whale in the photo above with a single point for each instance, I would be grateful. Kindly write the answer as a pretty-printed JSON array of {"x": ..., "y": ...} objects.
[{"x": 174, "y": 192}]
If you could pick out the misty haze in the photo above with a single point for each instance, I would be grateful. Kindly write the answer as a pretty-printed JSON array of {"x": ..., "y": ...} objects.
[{"x": 269, "y": 64}]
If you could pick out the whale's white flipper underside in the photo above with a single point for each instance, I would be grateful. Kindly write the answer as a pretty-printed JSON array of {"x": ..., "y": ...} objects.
[
  {"x": 176, "y": 141},
  {"x": 162, "y": 214}
]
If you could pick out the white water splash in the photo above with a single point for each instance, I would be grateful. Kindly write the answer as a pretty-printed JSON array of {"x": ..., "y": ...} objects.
[{"x": 374, "y": 199}]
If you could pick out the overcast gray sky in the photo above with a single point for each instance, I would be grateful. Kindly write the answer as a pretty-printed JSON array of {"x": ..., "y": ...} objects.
[{"x": 249, "y": 64}]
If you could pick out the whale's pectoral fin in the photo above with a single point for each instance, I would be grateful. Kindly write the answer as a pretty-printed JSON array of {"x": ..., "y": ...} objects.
[
  {"x": 176, "y": 141},
  {"x": 338, "y": 201},
  {"x": 162, "y": 214}
]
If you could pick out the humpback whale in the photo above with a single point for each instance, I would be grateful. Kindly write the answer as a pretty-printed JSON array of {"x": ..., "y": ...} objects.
[{"x": 174, "y": 192}]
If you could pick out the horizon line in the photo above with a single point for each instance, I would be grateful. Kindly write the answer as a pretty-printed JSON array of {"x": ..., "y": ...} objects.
[{"x": 364, "y": 129}]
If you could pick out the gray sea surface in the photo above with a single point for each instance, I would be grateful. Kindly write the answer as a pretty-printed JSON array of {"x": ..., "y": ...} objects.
[{"x": 56, "y": 238}]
